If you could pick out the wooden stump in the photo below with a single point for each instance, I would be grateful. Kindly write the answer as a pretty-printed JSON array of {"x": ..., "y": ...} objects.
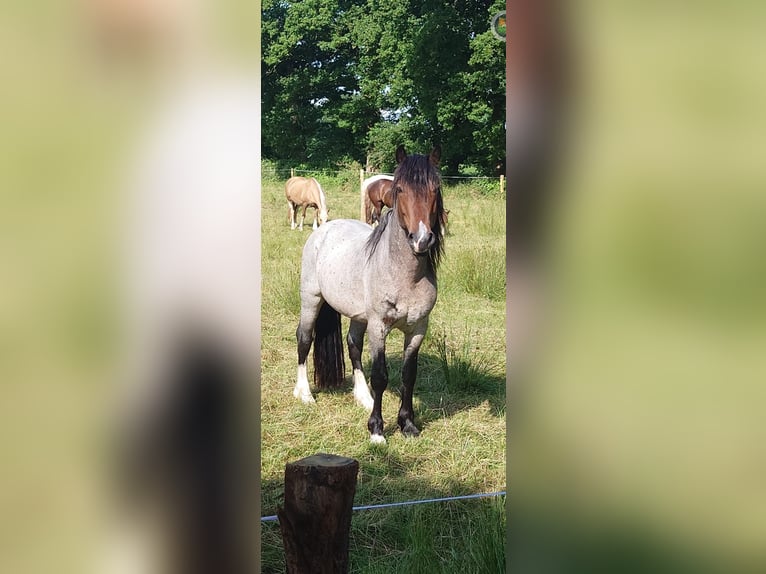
[{"x": 316, "y": 519}]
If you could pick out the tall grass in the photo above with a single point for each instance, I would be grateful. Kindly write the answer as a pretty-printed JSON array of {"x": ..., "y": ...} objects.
[
  {"x": 465, "y": 365},
  {"x": 478, "y": 271}
]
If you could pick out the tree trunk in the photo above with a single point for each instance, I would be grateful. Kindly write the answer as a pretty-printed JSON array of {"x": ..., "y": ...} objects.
[{"x": 316, "y": 519}]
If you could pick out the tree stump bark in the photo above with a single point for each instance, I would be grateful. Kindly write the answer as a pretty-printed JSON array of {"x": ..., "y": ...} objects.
[{"x": 316, "y": 519}]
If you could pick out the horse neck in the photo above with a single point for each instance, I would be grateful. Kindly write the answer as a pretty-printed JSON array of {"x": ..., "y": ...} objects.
[{"x": 399, "y": 253}]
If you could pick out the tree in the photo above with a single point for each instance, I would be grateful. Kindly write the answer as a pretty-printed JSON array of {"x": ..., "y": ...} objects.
[{"x": 342, "y": 80}]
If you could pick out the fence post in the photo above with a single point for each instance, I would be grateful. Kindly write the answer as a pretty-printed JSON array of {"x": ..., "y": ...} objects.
[
  {"x": 502, "y": 183},
  {"x": 292, "y": 172},
  {"x": 316, "y": 519},
  {"x": 361, "y": 196}
]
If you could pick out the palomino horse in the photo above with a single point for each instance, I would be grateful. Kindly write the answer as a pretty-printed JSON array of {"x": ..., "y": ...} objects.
[
  {"x": 377, "y": 193},
  {"x": 306, "y": 192},
  {"x": 381, "y": 279}
]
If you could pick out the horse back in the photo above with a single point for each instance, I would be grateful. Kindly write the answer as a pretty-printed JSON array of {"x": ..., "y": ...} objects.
[{"x": 303, "y": 191}]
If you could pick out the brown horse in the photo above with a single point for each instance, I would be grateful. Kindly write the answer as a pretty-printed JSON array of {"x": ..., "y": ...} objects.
[
  {"x": 306, "y": 192},
  {"x": 383, "y": 279},
  {"x": 377, "y": 193}
]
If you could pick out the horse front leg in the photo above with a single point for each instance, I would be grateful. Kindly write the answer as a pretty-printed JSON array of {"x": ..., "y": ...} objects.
[
  {"x": 379, "y": 381},
  {"x": 305, "y": 336},
  {"x": 412, "y": 342},
  {"x": 291, "y": 214},
  {"x": 355, "y": 341},
  {"x": 303, "y": 216}
]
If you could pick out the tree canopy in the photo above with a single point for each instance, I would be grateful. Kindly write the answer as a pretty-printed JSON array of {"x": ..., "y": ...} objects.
[{"x": 347, "y": 80}]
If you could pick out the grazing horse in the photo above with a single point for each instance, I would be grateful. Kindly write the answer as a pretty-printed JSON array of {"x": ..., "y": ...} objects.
[
  {"x": 306, "y": 192},
  {"x": 382, "y": 279},
  {"x": 377, "y": 193}
]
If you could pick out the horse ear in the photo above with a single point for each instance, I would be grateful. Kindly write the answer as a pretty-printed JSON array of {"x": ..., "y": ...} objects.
[
  {"x": 400, "y": 154},
  {"x": 436, "y": 155}
]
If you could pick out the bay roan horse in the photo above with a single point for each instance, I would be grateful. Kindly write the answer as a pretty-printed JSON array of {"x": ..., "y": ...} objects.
[
  {"x": 377, "y": 193},
  {"x": 306, "y": 192},
  {"x": 381, "y": 279}
]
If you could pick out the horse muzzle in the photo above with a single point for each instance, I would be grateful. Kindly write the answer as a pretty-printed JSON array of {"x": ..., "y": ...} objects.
[{"x": 422, "y": 240}]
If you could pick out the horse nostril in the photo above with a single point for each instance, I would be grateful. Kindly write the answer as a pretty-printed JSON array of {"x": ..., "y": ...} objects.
[{"x": 421, "y": 240}]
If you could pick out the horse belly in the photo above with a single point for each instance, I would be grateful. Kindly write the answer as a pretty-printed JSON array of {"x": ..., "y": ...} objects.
[
  {"x": 343, "y": 293},
  {"x": 340, "y": 267}
]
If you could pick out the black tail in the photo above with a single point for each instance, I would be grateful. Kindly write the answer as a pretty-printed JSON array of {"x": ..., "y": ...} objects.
[{"x": 329, "y": 368}]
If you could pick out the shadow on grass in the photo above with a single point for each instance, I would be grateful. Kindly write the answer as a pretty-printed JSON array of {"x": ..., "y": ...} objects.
[{"x": 442, "y": 388}]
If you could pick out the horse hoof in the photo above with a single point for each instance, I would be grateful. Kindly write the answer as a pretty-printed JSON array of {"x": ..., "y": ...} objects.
[
  {"x": 377, "y": 439},
  {"x": 410, "y": 429},
  {"x": 306, "y": 399}
]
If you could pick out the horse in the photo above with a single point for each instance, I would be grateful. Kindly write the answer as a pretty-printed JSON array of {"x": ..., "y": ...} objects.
[
  {"x": 382, "y": 279},
  {"x": 377, "y": 193},
  {"x": 306, "y": 192}
]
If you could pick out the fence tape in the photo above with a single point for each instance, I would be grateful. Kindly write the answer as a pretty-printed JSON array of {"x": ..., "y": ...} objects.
[{"x": 274, "y": 518}]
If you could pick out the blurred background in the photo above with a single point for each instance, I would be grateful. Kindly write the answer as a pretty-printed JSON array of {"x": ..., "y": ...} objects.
[
  {"x": 81, "y": 84},
  {"x": 638, "y": 442}
]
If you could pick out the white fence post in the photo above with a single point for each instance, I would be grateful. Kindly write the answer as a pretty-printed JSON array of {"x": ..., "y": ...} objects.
[{"x": 361, "y": 196}]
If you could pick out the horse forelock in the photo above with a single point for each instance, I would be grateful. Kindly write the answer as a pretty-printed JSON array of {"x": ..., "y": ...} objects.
[{"x": 419, "y": 173}]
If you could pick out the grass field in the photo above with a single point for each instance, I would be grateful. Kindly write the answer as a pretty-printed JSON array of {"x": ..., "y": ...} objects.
[{"x": 459, "y": 399}]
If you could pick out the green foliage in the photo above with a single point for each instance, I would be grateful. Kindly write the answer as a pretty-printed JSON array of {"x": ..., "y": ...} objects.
[
  {"x": 358, "y": 77},
  {"x": 478, "y": 270}
]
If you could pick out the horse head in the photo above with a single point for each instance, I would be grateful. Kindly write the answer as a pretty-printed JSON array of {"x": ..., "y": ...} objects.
[{"x": 418, "y": 200}]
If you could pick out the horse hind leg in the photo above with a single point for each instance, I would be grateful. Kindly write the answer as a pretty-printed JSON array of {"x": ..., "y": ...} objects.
[
  {"x": 291, "y": 214},
  {"x": 305, "y": 336},
  {"x": 302, "y": 389},
  {"x": 355, "y": 341}
]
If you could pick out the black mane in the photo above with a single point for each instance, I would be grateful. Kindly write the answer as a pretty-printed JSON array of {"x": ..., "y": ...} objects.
[{"x": 421, "y": 175}]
